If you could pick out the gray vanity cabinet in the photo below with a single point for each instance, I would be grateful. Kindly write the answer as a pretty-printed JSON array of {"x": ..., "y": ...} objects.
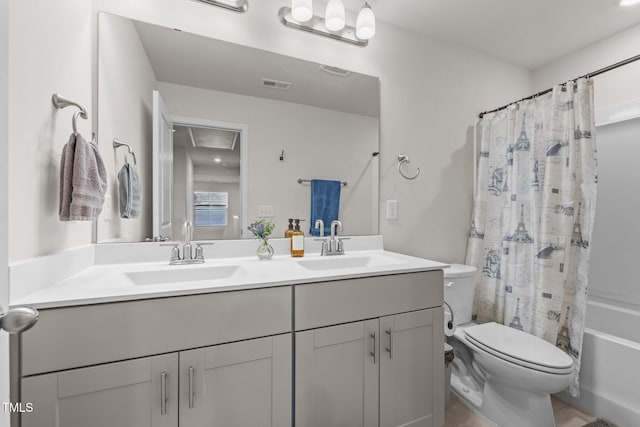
[
  {"x": 134, "y": 393},
  {"x": 336, "y": 376},
  {"x": 386, "y": 369},
  {"x": 216, "y": 360},
  {"x": 411, "y": 369},
  {"x": 247, "y": 383}
]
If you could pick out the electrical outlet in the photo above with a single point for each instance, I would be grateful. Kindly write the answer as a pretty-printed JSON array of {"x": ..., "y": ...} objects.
[
  {"x": 265, "y": 211},
  {"x": 392, "y": 209}
]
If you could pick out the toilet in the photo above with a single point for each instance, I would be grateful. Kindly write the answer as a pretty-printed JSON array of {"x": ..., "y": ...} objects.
[{"x": 506, "y": 374}]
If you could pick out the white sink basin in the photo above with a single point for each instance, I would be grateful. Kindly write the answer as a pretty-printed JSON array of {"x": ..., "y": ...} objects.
[
  {"x": 339, "y": 262},
  {"x": 158, "y": 277}
]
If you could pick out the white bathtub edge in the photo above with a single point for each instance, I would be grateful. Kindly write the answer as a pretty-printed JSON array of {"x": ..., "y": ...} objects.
[{"x": 592, "y": 403}]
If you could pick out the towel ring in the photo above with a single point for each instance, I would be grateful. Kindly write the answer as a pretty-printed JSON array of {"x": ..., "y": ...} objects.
[
  {"x": 404, "y": 159},
  {"x": 60, "y": 102},
  {"x": 117, "y": 143}
]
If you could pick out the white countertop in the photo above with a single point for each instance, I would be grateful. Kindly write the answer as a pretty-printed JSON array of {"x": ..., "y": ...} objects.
[{"x": 102, "y": 283}]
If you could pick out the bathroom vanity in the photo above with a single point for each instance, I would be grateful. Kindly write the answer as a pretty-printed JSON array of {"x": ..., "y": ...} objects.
[{"x": 352, "y": 340}]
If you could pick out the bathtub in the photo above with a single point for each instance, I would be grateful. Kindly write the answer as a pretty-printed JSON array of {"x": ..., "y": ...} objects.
[{"x": 610, "y": 371}]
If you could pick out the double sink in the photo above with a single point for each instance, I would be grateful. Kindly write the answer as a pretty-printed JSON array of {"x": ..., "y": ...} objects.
[{"x": 201, "y": 273}]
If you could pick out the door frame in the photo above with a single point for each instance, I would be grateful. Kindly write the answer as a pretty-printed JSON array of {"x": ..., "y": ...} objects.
[{"x": 241, "y": 128}]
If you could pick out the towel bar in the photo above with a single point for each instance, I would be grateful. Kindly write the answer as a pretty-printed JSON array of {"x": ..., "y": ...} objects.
[{"x": 300, "y": 181}]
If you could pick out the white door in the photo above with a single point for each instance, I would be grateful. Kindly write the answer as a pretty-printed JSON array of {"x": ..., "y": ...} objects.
[
  {"x": 242, "y": 384},
  {"x": 134, "y": 393},
  {"x": 162, "y": 168},
  {"x": 412, "y": 369},
  {"x": 337, "y": 376}
]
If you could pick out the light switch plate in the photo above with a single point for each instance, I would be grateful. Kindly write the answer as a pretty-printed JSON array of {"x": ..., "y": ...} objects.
[{"x": 392, "y": 209}]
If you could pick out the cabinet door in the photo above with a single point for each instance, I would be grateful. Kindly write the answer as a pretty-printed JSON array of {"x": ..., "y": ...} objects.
[
  {"x": 246, "y": 383},
  {"x": 123, "y": 394},
  {"x": 412, "y": 369},
  {"x": 337, "y": 376}
]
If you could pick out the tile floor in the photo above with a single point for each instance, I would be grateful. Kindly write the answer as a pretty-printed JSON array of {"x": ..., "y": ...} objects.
[{"x": 458, "y": 415}]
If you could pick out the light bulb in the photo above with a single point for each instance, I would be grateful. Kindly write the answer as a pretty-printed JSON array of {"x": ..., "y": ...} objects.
[
  {"x": 301, "y": 10},
  {"x": 366, "y": 23},
  {"x": 334, "y": 16},
  {"x": 628, "y": 2}
]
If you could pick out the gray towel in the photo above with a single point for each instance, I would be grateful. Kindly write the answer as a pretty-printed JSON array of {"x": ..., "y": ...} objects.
[
  {"x": 83, "y": 180},
  {"x": 130, "y": 191}
]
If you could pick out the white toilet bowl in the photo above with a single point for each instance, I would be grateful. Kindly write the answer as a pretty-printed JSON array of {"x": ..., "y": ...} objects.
[
  {"x": 521, "y": 371},
  {"x": 506, "y": 374}
]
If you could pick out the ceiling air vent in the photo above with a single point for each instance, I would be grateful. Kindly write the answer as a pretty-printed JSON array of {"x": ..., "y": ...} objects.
[
  {"x": 275, "y": 84},
  {"x": 336, "y": 71}
]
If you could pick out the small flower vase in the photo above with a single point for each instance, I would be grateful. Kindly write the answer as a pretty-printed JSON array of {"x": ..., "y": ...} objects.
[{"x": 265, "y": 250}]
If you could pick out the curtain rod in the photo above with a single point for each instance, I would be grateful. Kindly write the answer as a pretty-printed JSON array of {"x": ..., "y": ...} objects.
[{"x": 593, "y": 74}]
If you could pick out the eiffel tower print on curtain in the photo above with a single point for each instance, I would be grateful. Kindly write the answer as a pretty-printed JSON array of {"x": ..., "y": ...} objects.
[
  {"x": 520, "y": 235},
  {"x": 515, "y": 320}
]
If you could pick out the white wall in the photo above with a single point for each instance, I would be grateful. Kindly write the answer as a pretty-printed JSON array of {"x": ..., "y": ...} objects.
[
  {"x": 303, "y": 132},
  {"x": 50, "y": 45},
  {"x": 125, "y": 112},
  {"x": 614, "y": 269},
  {"x": 611, "y": 88},
  {"x": 4, "y": 186},
  {"x": 431, "y": 93}
]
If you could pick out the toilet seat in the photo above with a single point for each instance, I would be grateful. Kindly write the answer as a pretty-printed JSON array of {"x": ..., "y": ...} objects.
[{"x": 519, "y": 348}]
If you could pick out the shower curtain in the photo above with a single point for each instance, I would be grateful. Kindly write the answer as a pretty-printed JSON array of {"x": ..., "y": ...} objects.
[{"x": 533, "y": 215}]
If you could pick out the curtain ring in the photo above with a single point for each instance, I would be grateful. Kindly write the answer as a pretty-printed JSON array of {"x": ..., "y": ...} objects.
[{"x": 404, "y": 159}]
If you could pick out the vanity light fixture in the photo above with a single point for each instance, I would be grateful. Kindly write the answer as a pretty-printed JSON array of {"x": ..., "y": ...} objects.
[
  {"x": 234, "y": 5},
  {"x": 334, "y": 18},
  {"x": 302, "y": 10},
  {"x": 333, "y": 25},
  {"x": 366, "y": 23}
]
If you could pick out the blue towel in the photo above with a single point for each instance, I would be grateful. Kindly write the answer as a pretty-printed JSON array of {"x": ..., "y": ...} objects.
[{"x": 325, "y": 204}]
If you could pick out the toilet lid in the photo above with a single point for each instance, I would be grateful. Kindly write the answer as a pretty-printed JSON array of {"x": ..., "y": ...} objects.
[{"x": 519, "y": 347}]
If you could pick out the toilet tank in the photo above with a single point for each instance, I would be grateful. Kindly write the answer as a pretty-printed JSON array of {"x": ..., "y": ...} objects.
[{"x": 459, "y": 288}]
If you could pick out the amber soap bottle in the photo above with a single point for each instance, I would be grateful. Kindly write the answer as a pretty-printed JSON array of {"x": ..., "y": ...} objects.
[
  {"x": 297, "y": 241},
  {"x": 289, "y": 231}
]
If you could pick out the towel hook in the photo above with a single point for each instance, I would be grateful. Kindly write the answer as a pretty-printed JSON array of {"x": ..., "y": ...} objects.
[
  {"x": 117, "y": 143},
  {"x": 60, "y": 102},
  {"x": 404, "y": 159}
]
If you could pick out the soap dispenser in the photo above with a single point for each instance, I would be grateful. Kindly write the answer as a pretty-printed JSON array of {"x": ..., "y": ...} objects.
[
  {"x": 297, "y": 241},
  {"x": 289, "y": 231}
]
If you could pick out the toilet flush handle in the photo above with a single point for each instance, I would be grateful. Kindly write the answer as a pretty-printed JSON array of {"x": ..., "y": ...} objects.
[{"x": 448, "y": 284}]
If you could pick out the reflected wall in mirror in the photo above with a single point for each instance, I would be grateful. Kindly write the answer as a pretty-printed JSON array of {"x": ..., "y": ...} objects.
[{"x": 297, "y": 119}]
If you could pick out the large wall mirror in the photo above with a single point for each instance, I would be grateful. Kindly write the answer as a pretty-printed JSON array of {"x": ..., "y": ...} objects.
[{"x": 223, "y": 133}]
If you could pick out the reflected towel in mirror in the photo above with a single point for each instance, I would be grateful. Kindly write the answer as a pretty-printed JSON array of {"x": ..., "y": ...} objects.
[
  {"x": 130, "y": 191},
  {"x": 325, "y": 204}
]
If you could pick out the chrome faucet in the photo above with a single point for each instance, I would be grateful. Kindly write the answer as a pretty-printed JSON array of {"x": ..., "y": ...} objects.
[
  {"x": 334, "y": 246},
  {"x": 187, "y": 254}
]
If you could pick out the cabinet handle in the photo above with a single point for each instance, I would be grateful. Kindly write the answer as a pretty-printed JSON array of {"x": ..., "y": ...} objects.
[
  {"x": 163, "y": 393},
  {"x": 192, "y": 390},
  {"x": 373, "y": 353},
  {"x": 390, "y": 348}
]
